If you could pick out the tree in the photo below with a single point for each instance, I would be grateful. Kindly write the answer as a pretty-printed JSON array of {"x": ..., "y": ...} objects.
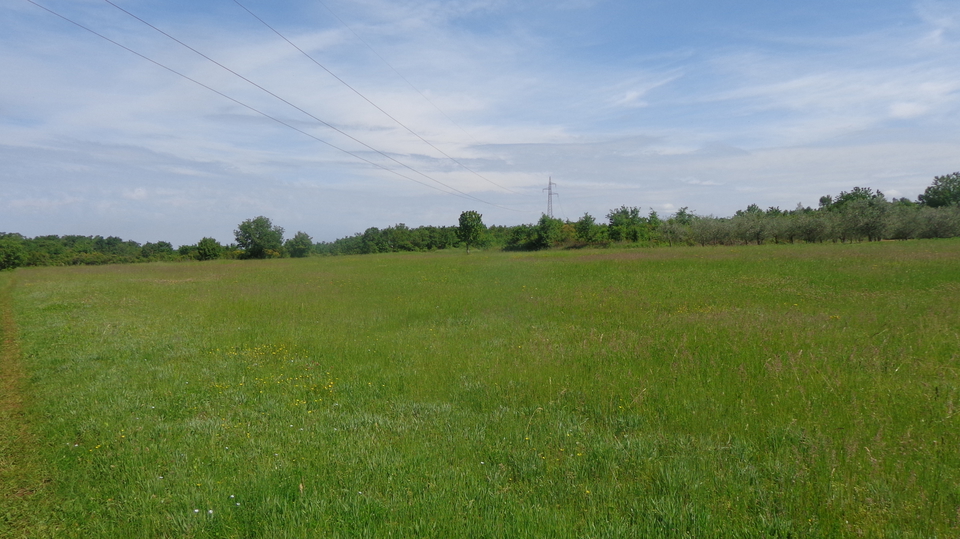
[
  {"x": 625, "y": 224},
  {"x": 684, "y": 216},
  {"x": 586, "y": 228},
  {"x": 671, "y": 231},
  {"x": 372, "y": 241},
  {"x": 547, "y": 233},
  {"x": 844, "y": 198},
  {"x": 471, "y": 228},
  {"x": 944, "y": 191},
  {"x": 159, "y": 250},
  {"x": 300, "y": 245},
  {"x": 208, "y": 249},
  {"x": 259, "y": 238},
  {"x": 12, "y": 252},
  {"x": 751, "y": 224}
]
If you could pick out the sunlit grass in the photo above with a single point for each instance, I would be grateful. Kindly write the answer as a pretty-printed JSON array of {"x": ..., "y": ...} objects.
[{"x": 785, "y": 390}]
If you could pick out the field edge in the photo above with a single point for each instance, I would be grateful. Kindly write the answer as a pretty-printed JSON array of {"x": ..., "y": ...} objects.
[{"x": 22, "y": 479}]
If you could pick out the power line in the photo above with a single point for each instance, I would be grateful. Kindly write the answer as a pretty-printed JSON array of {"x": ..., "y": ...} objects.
[
  {"x": 306, "y": 112},
  {"x": 354, "y": 90},
  {"x": 424, "y": 96},
  {"x": 242, "y": 104}
]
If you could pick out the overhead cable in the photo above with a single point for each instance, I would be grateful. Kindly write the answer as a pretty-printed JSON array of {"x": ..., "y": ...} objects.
[
  {"x": 354, "y": 90},
  {"x": 384, "y": 60},
  {"x": 351, "y": 137},
  {"x": 249, "y": 107}
]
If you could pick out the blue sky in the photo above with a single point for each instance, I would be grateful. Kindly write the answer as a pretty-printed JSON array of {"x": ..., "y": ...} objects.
[{"x": 709, "y": 105}]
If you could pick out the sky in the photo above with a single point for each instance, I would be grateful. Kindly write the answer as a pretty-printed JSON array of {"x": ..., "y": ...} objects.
[{"x": 333, "y": 116}]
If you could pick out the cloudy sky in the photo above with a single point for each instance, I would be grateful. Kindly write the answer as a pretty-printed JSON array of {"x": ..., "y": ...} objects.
[{"x": 337, "y": 115}]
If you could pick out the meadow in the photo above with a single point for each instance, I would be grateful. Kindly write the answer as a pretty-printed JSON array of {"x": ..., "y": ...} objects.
[{"x": 775, "y": 391}]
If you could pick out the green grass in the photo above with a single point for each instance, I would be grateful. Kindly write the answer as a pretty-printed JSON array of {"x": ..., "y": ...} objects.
[{"x": 782, "y": 391}]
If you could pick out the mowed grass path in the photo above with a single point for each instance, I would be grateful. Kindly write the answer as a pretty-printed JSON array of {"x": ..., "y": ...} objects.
[{"x": 784, "y": 391}]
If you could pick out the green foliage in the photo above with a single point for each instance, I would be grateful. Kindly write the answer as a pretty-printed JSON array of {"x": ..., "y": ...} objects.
[
  {"x": 521, "y": 238},
  {"x": 625, "y": 224},
  {"x": 944, "y": 191},
  {"x": 709, "y": 230},
  {"x": 673, "y": 232},
  {"x": 587, "y": 229},
  {"x": 547, "y": 233},
  {"x": 392, "y": 239},
  {"x": 471, "y": 228},
  {"x": 845, "y": 198},
  {"x": 751, "y": 224},
  {"x": 684, "y": 216},
  {"x": 12, "y": 252},
  {"x": 208, "y": 249},
  {"x": 162, "y": 250},
  {"x": 300, "y": 245},
  {"x": 859, "y": 214},
  {"x": 259, "y": 238}
]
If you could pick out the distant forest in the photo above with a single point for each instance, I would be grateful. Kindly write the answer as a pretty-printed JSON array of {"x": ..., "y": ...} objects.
[{"x": 861, "y": 214}]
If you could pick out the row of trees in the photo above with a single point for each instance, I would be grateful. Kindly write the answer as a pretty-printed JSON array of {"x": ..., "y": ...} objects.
[
  {"x": 858, "y": 215},
  {"x": 398, "y": 238},
  {"x": 256, "y": 238},
  {"x": 16, "y": 250},
  {"x": 861, "y": 214}
]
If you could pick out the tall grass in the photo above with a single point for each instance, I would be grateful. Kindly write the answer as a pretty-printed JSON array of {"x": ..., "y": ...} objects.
[{"x": 737, "y": 392}]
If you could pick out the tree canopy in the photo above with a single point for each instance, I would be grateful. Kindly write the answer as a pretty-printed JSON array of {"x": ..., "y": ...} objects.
[
  {"x": 944, "y": 191},
  {"x": 471, "y": 228},
  {"x": 259, "y": 238},
  {"x": 300, "y": 245}
]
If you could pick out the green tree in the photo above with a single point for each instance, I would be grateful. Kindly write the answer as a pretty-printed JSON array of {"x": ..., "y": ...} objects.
[
  {"x": 547, "y": 233},
  {"x": 156, "y": 251},
  {"x": 373, "y": 241},
  {"x": 471, "y": 228},
  {"x": 944, "y": 191},
  {"x": 12, "y": 252},
  {"x": 626, "y": 224},
  {"x": 751, "y": 224},
  {"x": 259, "y": 238},
  {"x": 300, "y": 245},
  {"x": 671, "y": 231},
  {"x": 684, "y": 216},
  {"x": 208, "y": 249},
  {"x": 586, "y": 228}
]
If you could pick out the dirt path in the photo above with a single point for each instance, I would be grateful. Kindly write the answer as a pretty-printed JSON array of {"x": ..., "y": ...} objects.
[{"x": 21, "y": 476}]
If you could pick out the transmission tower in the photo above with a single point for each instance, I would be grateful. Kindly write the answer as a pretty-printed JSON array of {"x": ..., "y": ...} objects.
[{"x": 550, "y": 195}]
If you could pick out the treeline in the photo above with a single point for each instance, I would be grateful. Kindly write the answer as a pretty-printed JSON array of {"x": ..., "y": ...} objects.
[
  {"x": 256, "y": 238},
  {"x": 17, "y": 250},
  {"x": 399, "y": 238},
  {"x": 861, "y": 214}
]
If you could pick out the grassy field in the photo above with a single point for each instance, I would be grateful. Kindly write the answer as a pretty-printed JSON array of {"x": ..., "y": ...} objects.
[{"x": 781, "y": 391}]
